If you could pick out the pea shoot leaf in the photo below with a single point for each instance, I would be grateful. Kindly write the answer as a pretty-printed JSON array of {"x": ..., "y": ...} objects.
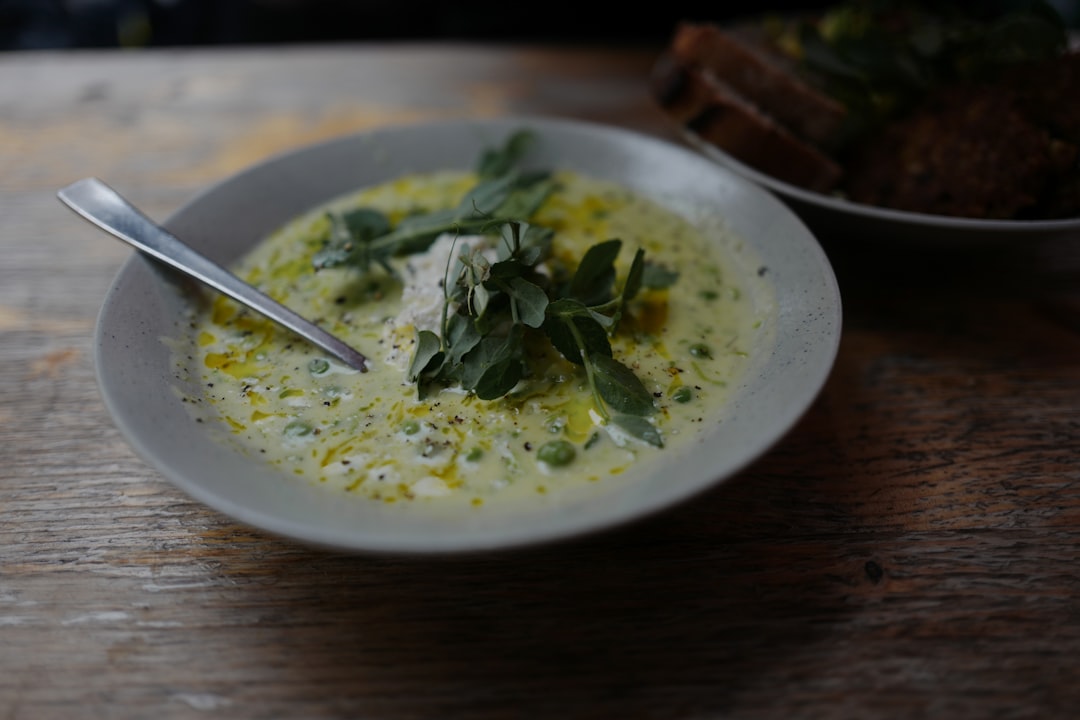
[
  {"x": 633, "y": 282},
  {"x": 488, "y": 366},
  {"x": 640, "y": 428},
  {"x": 498, "y": 379},
  {"x": 620, "y": 387},
  {"x": 595, "y": 273},
  {"x": 530, "y": 302},
  {"x": 461, "y": 337},
  {"x": 350, "y": 238},
  {"x": 427, "y": 351},
  {"x": 495, "y": 162},
  {"x": 657, "y": 277},
  {"x": 572, "y": 329}
]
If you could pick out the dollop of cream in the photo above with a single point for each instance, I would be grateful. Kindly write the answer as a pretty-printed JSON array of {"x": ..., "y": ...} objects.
[{"x": 422, "y": 295}]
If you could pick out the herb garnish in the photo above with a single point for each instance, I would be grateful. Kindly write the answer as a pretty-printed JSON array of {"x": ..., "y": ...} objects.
[
  {"x": 363, "y": 237},
  {"x": 494, "y": 310}
]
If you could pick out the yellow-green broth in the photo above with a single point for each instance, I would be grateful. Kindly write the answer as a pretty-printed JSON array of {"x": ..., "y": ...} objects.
[{"x": 369, "y": 437}]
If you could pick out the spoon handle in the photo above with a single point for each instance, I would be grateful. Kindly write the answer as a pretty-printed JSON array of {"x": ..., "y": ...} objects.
[{"x": 104, "y": 207}]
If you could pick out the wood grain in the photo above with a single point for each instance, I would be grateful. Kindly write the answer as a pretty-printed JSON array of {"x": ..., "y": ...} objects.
[{"x": 910, "y": 550}]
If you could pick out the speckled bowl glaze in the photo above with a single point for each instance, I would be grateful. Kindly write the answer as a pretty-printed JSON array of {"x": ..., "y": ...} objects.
[{"x": 144, "y": 307}]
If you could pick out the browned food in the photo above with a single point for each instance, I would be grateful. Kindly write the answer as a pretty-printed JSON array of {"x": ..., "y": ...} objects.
[
  {"x": 717, "y": 113},
  {"x": 965, "y": 152},
  {"x": 745, "y": 59},
  {"x": 1049, "y": 93},
  {"x": 1004, "y": 146}
]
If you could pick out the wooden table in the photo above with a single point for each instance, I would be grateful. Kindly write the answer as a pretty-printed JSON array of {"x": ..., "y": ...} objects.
[{"x": 910, "y": 550}]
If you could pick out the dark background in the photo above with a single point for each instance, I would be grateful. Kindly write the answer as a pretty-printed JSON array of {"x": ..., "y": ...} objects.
[
  {"x": 52, "y": 24},
  {"x": 29, "y": 24}
]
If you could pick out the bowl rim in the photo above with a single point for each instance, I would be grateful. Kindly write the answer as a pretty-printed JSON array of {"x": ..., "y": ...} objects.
[{"x": 911, "y": 219}]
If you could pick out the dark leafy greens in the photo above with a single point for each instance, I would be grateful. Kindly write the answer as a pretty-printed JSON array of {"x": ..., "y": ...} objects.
[
  {"x": 880, "y": 56},
  {"x": 493, "y": 310},
  {"x": 490, "y": 308},
  {"x": 363, "y": 238}
]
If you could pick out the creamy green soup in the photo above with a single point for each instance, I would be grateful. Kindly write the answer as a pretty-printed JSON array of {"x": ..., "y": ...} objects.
[{"x": 372, "y": 437}]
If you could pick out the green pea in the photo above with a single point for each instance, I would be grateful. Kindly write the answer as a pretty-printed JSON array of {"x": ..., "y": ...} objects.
[
  {"x": 683, "y": 395},
  {"x": 700, "y": 350},
  {"x": 297, "y": 428},
  {"x": 556, "y": 453},
  {"x": 318, "y": 366},
  {"x": 410, "y": 427},
  {"x": 474, "y": 455}
]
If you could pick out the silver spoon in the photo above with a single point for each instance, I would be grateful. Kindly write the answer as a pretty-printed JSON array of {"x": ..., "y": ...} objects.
[{"x": 104, "y": 207}]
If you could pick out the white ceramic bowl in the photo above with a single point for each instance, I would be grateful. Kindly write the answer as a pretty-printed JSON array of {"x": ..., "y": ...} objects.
[{"x": 139, "y": 386}]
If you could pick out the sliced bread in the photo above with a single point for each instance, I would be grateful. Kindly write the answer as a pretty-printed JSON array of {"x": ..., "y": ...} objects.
[
  {"x": 744, "y": 58},
  {"x": 718, "y": 113}
]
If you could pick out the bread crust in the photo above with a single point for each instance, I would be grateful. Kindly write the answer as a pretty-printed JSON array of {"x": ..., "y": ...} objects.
[
  {"x": 717, "y": 113},
  {"x": 742, "y": 58}
]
